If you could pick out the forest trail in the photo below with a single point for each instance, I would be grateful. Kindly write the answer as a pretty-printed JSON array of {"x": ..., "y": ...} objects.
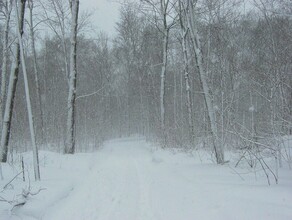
[
  {"x": 117, "y": 187},
  {"x": 132, "y": 181}
]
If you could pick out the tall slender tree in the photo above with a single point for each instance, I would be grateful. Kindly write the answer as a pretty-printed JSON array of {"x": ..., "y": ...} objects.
[
  {"x": 12, "y": 88},
  {"x": 7, "y": 7},
  {"x": 184, "y": 36},
  {"x": 30, "y": 5},
  {"x": 219, "y": 153},
  {"x": 162, "y": 11},
  {"x": 28, "y": 102},
  {"x": 70, "y": 136}
]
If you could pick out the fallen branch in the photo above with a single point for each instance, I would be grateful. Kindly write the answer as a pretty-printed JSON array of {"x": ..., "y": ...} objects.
[
  {"x": 12, "y": 180},
  {"x": 21, "y": 198}
]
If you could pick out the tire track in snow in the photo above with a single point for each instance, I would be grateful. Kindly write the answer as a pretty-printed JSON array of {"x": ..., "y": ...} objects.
[
  {"x": 145, "y": 208},
  {"x": 115, "y": 196},
  {"x": 124, "y": 202}
]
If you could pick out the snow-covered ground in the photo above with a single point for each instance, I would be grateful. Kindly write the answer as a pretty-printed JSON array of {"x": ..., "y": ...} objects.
[{"x": 129, "y": 179}]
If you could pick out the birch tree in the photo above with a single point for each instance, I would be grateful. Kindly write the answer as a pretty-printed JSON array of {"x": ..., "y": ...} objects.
[
  {"x": 192, "y": 22},
  {"x": 28, "y": 102},
  {"x": 164, "y": 19},
  {"x": 70, "y": 136},
  {"x": 30, "y": 5},
  {"x": 7, "y": 7},
  {"x": 11, "y": 88},
  {"x": 184, "y": 34},
  {"x": 166, "y": 27}
]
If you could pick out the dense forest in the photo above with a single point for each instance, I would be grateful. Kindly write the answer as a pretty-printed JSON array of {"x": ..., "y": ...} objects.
[{"x": 212, "y": 74}]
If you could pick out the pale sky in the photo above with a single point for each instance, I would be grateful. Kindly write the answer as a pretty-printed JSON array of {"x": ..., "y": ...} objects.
[{"x": 106, "y": 13}]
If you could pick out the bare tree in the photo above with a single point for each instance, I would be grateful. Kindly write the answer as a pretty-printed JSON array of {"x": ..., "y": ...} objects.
[
  {"x": 55, "y": 15},
  {"x": 30, "y": 5},
  {"x": 11, "y": 88},
  {"x": 184, "y": 34},
  {"x": 164, "y": 19},
  {"x": 7, "y": 6},
  {"x": 192, "y": 22},
  {"x": 70, "y": 136},
  {"x": 28, "y": 102}
]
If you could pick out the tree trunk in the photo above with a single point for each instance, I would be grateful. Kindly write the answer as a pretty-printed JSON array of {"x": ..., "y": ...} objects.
[
  {"x": 219, "y": 153},
  {"x": 162, "y": 83},
  {"x": 28, "y": 102},
  {"x": 70, "y": 138},
  {"x": 35, "y": 66},
  {"x": 11, "y": 89},
  {"x": 8, "y": 8},
  {"x": 184, "y": 32}
]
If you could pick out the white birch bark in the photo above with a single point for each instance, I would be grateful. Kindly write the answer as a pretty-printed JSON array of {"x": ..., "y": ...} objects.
[
  {"x": 184, "y": 32},
  {"x": 174, "y": 99},
  {"x": 162, "y": 80},
  {"x": 11, "y": 89},
  {"x": 8, "y": 9},
  {"x": 166, "y": 27},
  {"x": 162, "y": 10},
  {"x": 219, "y": 153},
  {"x": 28, "y": 103},
  {"x": 35, "y": 66},
  {"x": 70, "y": 136},
  {"x": 1, "y": 172}
]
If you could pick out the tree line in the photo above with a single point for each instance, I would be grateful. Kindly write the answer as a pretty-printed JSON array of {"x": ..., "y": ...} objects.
[{"x": 212, "y": 74}]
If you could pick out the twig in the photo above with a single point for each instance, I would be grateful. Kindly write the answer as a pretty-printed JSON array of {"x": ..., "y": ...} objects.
[
  {"x": 243, "y": 156},
  {"x": 37, "y": 192},
  {"x": 12, "y": 180},
  {"x": 90, "y": 94},
  {"x": 236, "y": 173}
]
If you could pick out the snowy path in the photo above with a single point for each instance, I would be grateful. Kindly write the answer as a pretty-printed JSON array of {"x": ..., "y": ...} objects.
[
  {"x": 129, "y": 182},
  {"x": 117, "y": 188}
]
